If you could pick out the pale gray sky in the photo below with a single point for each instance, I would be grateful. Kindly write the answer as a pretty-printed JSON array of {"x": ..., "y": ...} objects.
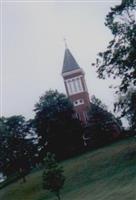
[{"x": 33, "y": 49}]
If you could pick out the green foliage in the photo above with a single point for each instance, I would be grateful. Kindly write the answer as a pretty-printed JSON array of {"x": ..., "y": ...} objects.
[
  {"x": 119, "y": 60},
  {"x": 52, "y": 107},
  {"x": 53, "y": 103},
  {"x": 16, "y": 125},
  {"x": 58, "y": 132},
  {"x": 16, "y": 151},
  {"x": 127, "y": 103},
  {"x": 53, "y": 178},
  {"x": 103, "y": 126},
  {"x": 98, "y": 102}
]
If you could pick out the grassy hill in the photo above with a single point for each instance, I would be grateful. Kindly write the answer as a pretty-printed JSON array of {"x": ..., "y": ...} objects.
[{"x": 108, "y": 173}]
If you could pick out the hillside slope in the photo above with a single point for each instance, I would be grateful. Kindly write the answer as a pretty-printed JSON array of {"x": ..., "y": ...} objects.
[{"x": 108, "y": 173}]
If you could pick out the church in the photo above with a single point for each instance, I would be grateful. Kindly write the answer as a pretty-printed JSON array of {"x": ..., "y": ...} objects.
[
  {"x": 76, "y": 89},
  {"x": 75, "y": 85}
]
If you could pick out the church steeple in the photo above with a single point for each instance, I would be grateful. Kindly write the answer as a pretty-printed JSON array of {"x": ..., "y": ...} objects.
[
  {"x": 69, "y": 62},
  {"x": 75, "y": 84}
]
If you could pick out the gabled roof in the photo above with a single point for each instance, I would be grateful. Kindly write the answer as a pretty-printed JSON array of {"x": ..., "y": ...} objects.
[{"x": 69, "y": 62}]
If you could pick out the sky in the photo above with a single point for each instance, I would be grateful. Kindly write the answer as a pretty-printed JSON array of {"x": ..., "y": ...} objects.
[{"x": 32, "y": 49}]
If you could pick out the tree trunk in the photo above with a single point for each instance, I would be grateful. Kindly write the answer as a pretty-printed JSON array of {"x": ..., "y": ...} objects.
[
  {"x": 58, "y": 195},
  {"x": 24, "y": 179}
]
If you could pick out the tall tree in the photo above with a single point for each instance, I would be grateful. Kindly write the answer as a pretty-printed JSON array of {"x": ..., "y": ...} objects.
[
  {"x": 3, "y": 143},
  {"x": 58, "y": 131},
  {"x": 127, "y": 103},
  {"x": 53, "y": 178},
  {"x": 103, "y": 127},
  {"x": 119, "y": 60},
  {"x": 16, "y": 150}
]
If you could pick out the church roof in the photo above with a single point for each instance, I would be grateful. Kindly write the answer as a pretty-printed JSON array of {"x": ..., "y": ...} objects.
[{"x": 69, "y": 62}]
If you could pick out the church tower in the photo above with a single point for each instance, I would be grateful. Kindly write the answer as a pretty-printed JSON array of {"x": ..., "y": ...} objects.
[{"x": 75, "y": 84}]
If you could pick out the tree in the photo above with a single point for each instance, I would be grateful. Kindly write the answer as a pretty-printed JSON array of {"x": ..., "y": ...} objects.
[
  {"x": 103, "y": 127},
  {"x": 119, "y": 60},
  {"x": 97, "y": 102},
  {"x": 3, "y": 143},
  {"x": 53, "y": 178},
  {"x": 16, "y": 150},
  {"x": 58, "y": 131},
  {"x": 16, "y": 125},
  {"x": 127, "y": 103}
]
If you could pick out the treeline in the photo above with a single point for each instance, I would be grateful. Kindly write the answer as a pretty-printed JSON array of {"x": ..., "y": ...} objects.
[{"x": 24, "y": 143}]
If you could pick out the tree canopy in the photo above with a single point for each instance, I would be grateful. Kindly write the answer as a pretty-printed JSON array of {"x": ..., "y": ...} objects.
[
  {"x": 58, "y": 131},
  {"x": 119, "y": 60},
  {"x": 17, "y": 152},
  {"x": 53, "y": 178},
  {"x": 103, "y": 127}
]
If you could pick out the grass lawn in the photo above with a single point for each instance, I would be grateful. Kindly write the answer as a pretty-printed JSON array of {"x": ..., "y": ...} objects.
[{"x": 108, "y": 173}]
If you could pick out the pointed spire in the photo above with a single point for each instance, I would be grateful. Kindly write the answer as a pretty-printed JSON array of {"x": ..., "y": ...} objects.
[
  {"x": 69, "y": 62},
  {"x": 65, "y": 42}
]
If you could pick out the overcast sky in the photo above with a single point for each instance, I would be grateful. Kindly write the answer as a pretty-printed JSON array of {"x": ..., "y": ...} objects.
[{"x": 33, "y": 49}]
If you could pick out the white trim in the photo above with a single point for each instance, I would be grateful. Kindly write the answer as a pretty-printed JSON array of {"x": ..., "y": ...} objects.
[
  {"x": 73, "y": 72},
  {"x": 72, "y": 85},
  {"x": 65, "y": 80},
  {"x": 79, "y": 83},
  {"x": 69, "y": 88},
  {"x": 78, "y": 102}
]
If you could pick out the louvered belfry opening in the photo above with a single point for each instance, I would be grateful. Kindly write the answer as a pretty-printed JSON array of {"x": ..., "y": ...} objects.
[{"x": 75, "y": 84}]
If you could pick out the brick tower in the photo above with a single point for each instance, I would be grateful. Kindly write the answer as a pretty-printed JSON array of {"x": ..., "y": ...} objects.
[{"x": 75, "y": 84}]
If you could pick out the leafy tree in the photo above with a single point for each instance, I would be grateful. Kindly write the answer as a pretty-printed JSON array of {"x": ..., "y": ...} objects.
[
  {"x": 119, "y": 60},
  {"x": 53, "y": 178},
  {"x": 58, "y": 131},
  {"x": 3, "y": 142},
  {"x": 16, "y": 125},
  {"x": 16, "y": 151},
  {"x": 98, "y": 102},
  {"x": 103, "y": 126},
  {"x": 127, "y": 103}
]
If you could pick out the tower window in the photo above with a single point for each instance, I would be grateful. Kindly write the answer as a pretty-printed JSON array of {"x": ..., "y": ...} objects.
[
  {"x": 78, "y": 102},
  {"x": 74, "y": 85},
  {"x": 69, "y": 87},
  {"x": 80, "y": 88}
]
